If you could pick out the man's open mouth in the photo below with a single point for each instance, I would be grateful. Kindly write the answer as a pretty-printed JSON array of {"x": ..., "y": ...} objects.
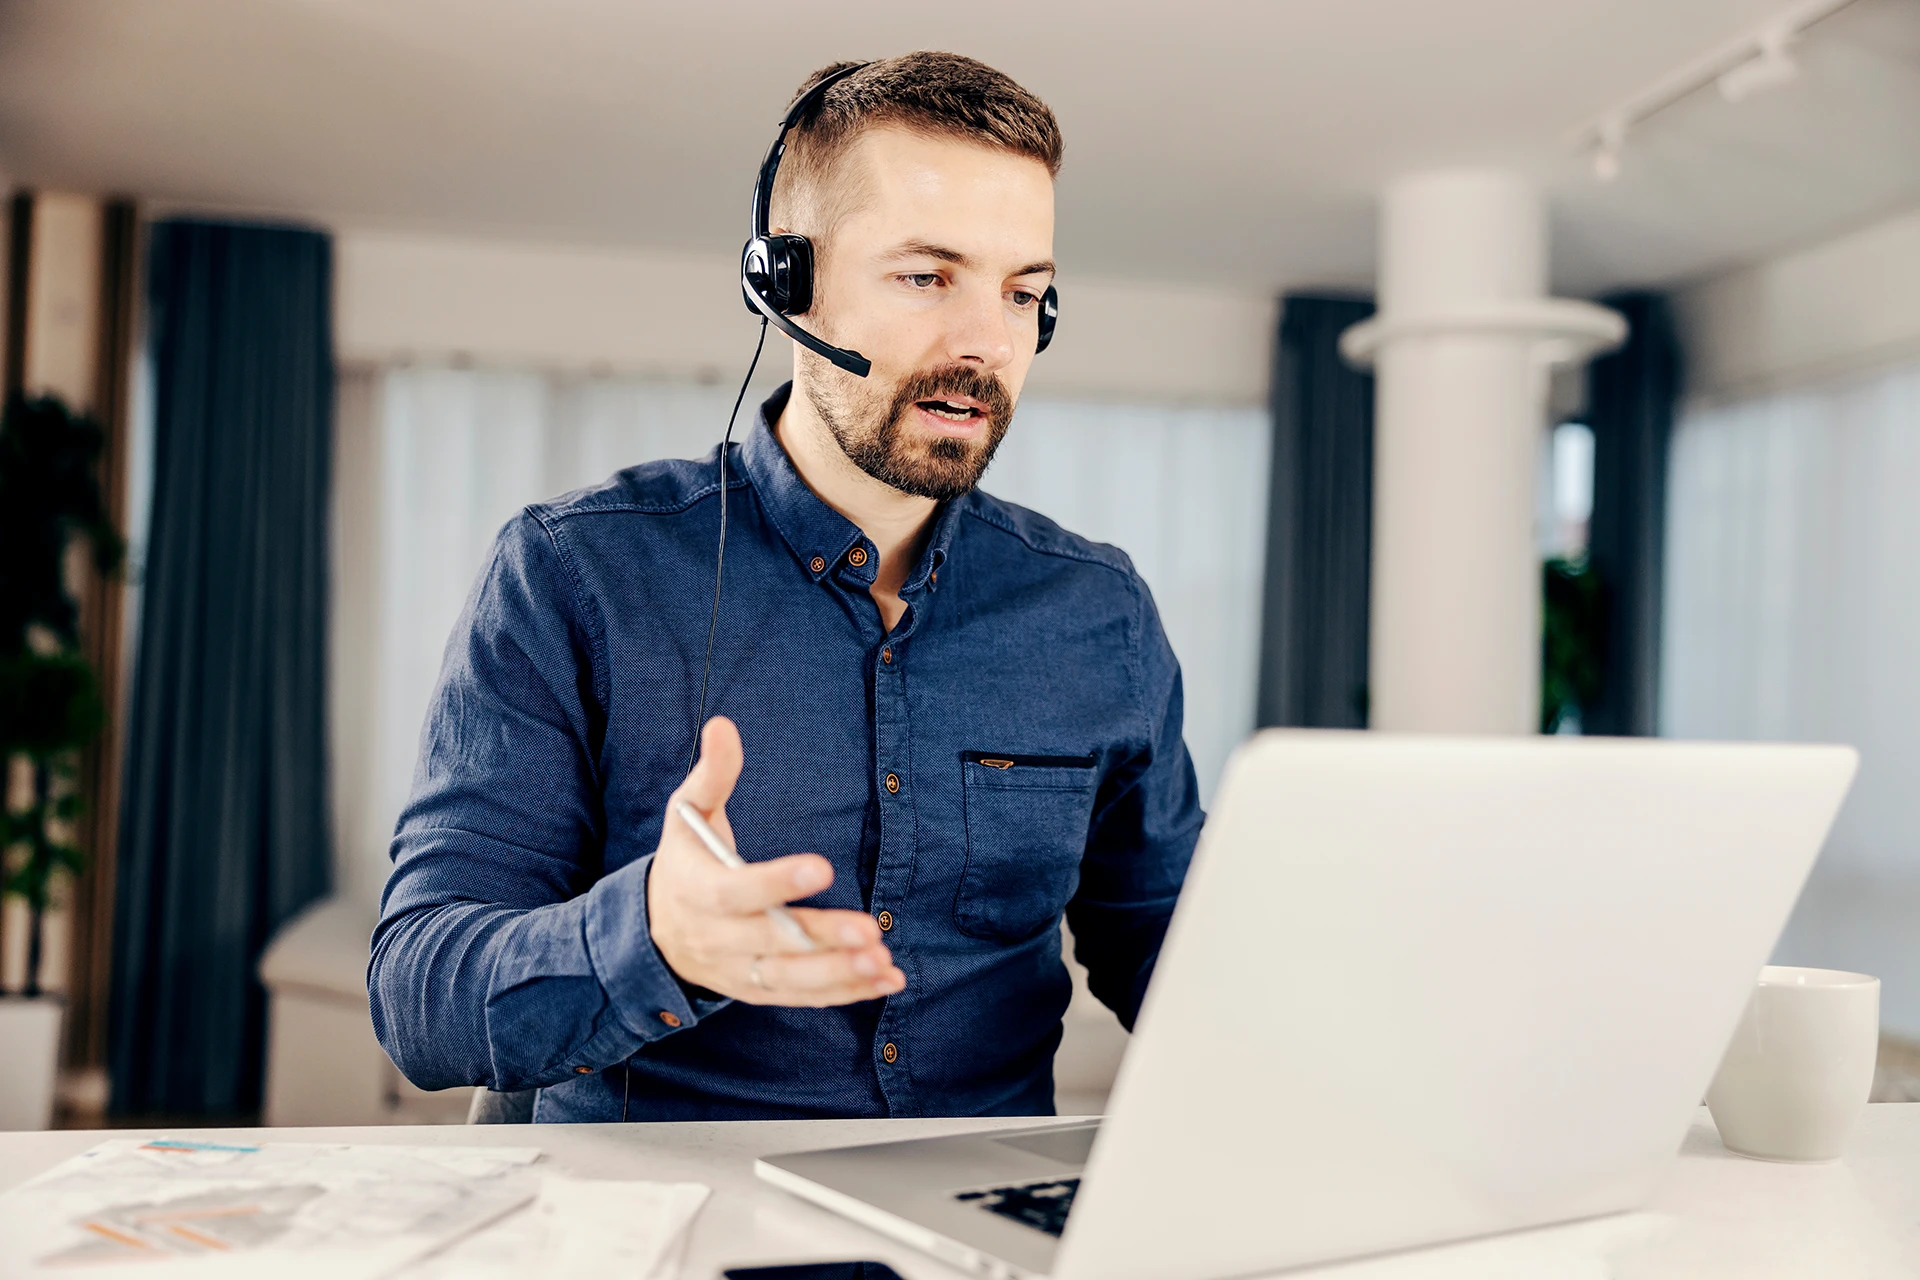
[{"x": 952, "y": 410}]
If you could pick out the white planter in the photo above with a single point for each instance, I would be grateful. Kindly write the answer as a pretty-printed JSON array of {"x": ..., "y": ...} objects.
[{"x": 29, "y": 1055}]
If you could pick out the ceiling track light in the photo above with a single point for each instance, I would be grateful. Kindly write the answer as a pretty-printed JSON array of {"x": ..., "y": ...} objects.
[
  {"x": 1769, "y": 68},
  {"x": 1754, "y": 63},
  {"x": 1610, "y": 139}
]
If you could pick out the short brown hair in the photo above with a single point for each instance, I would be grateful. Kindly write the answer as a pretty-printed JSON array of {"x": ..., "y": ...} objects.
[{"x": 944, "y": 94}]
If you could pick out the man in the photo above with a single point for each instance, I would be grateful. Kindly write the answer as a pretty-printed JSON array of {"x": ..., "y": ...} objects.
[{"x": 954, "y": 719}]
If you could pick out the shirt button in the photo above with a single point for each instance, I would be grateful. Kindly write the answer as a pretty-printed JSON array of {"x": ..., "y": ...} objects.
[
  {"x": 587, "y": 1071},
  {"x": 893, "y": 784},
  {"x": 889, "y": 1052},
  {"x": 886, "y": 655},
  {"x": 934, "y": 576},
  {"x": 886, "y": 921},
  {"x": 669, "y": 1017},
  {"x": 817, "y": 564},
  {"x": 857, "y": 557}
]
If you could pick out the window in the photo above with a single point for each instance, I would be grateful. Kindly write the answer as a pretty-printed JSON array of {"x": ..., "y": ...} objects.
[
  {"x": 1569, "y": 491},
  {"x": 1574, "y": 617}
]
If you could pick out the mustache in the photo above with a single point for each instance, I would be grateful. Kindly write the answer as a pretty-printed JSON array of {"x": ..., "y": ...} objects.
[{"x": 956, "y": 380}]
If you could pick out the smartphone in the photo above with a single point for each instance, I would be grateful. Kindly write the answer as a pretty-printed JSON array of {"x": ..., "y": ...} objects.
[{"x": 817, "y": 1271}]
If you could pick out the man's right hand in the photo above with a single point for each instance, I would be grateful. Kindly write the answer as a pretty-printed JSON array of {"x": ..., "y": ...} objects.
[{"x": 710, "y": 924}]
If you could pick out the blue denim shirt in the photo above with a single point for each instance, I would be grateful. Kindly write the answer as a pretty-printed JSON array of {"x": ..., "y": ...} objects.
[{"x": 1010, "y": 750}]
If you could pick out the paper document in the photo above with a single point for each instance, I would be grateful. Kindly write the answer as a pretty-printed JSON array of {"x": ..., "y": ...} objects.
[
  {"x": 578, "y": 1226},
  {"x": 285, "y": 1210}
]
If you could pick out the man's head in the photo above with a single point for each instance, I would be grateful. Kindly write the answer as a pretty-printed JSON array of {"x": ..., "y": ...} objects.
[{"x": 925, "y": 183}]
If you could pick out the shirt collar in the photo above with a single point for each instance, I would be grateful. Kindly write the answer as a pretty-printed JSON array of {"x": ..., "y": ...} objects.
[{"x": 820, "y": 537}]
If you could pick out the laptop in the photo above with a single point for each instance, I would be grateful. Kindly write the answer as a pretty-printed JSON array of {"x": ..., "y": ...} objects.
[{"x": 1417, "y": 989}]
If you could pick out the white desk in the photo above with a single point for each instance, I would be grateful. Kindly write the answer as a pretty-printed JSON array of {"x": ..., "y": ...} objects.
[{"x": 1859, "y": 1220}]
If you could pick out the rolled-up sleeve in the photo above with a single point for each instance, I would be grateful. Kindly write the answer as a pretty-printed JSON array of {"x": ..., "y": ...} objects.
[
  {"x": 503, "y": 956},
  {"x": 1146, "y": 821}
]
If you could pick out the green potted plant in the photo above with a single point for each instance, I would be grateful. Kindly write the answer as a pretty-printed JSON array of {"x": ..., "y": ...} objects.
[
  {"x": 50, "y": 707},
  {"x": 1573, "y": 649}
]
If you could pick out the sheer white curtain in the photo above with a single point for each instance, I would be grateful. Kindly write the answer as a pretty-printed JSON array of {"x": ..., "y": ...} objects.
[
  {"x": 1793, "y": 613},
  {"x": 434, "y": 460}
]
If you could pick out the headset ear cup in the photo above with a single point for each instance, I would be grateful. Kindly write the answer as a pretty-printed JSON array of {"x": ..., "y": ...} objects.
[
  {"x": 798, "y": 252},
  {"x": 779, "y": 269},
  {"x": 755, "y": 280},
  {"x": 1049, "y": 316}
]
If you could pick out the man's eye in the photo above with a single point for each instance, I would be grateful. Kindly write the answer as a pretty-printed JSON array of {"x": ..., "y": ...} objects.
[
  {"x": 1023, "y": 299},
  {"x": 922, "y": 279}
]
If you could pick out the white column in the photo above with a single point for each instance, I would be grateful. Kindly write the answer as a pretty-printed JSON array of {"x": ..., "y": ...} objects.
[{"x": 1462, "y": 345}]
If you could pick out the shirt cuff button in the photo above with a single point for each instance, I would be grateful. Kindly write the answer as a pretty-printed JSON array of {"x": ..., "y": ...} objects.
[
  {"x": 669, "y": 1017},
  {"x": 583, "y": 1071}
]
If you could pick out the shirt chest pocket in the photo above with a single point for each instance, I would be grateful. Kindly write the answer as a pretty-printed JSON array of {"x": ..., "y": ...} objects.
[{"x": 1027, "y": 818}]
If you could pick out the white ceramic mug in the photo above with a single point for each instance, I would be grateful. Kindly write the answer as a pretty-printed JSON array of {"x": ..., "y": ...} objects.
[{"x": 1800, "y": 1067}]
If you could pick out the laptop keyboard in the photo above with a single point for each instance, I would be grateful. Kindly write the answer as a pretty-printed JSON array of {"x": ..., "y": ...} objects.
[{"x": 1041, "y": 1205}]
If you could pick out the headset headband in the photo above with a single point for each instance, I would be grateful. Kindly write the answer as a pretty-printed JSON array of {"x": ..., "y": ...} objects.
[
  {"x": 763, "y": 189},
  {"x": 773, "y": 263}
]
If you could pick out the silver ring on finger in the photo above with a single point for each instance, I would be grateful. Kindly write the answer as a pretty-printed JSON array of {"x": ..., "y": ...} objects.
[{"x": 753, "y": 972}]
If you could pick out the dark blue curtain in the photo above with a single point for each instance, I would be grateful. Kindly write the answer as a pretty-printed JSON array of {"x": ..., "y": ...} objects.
[
  {"x": 1313, "y": 645},
  {"x": 223, "y": 822},
  {"x": 1631, "y": 399}
]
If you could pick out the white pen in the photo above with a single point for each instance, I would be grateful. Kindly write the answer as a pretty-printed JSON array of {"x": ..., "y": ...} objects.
[{"x": 728, "y": 858}]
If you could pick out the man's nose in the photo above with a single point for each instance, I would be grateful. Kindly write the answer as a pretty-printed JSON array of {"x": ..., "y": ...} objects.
[{"x": 981, "y": 335}]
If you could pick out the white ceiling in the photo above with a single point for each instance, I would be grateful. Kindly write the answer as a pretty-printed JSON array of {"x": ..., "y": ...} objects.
[{"x": 1210, "y": 142}]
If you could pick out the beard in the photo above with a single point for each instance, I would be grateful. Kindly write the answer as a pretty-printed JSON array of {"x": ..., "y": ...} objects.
[{"x": 872, "y": 426}]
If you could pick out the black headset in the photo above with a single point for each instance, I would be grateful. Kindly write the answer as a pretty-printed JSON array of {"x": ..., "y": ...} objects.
[{"x": 776, "y": 271}]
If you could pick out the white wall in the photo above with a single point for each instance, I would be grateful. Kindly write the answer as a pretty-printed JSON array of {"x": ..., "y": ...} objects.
[
  {"x": 401, "y": 296},
  {"x": 1845, "y": 304}
]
